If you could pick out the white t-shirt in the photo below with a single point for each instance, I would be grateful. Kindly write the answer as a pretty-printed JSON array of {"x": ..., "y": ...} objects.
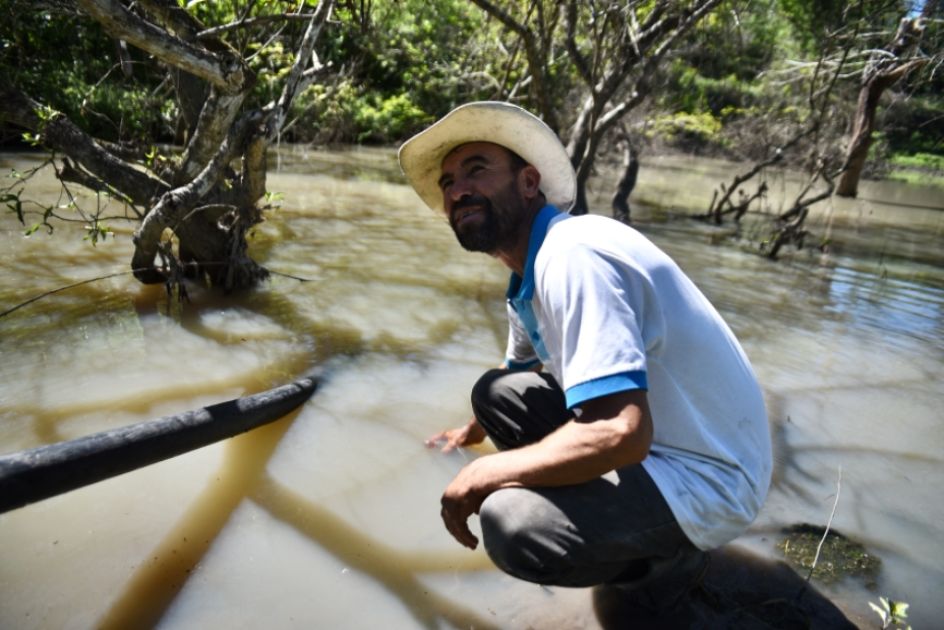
[{"x": 606, "y": 311}]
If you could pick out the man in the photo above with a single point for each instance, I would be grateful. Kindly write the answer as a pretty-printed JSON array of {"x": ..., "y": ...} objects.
[{"x": 644, "y": 440}]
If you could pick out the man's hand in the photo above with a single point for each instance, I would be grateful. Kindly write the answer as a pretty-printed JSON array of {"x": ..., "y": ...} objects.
[
  {"x": 466, "y": 435},
  {"x": 463, "y": 498}
]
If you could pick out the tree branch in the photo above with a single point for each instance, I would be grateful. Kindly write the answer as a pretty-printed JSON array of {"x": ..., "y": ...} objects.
[
  {"x": 259, "y": 19},
  {"x": 214, "y": 123},
  {"x": 227, "y": 72},
  {"x": 533, "y": 53},
  {"x": 296, "y": 76},
  {"x": 580, "y": 62},
  {"x": 61, "y": 134}
]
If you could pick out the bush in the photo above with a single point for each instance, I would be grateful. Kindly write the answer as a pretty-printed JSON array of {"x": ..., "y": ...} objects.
[
  {"x": 390, "y": 118},
  {"x": 686, "y": 131}
]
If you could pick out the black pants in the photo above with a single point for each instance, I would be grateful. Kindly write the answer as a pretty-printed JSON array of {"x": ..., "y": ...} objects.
[{"x": 609, "y": 529}]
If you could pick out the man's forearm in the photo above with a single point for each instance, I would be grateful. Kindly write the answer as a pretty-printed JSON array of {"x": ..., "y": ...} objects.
[{"x": 576, "y": 453}]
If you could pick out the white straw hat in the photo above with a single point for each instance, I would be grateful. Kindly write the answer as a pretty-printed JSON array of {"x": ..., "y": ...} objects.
[{"x": 489, "y": 121}]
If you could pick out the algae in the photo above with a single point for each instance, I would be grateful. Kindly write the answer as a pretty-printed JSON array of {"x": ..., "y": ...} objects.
[{"x": 840, "y": 557}]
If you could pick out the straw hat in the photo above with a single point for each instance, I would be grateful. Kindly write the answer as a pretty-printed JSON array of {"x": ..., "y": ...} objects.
[{"x": 489, "y": 121}]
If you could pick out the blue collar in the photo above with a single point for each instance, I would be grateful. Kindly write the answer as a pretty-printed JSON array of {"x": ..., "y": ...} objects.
[{"x": 523, "y": 288}]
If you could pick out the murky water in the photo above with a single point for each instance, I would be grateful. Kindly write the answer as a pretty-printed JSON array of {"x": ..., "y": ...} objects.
[{"x": 330, "y": 518}]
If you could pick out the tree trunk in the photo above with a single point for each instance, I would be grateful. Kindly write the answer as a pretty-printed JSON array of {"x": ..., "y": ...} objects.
[
  {"x": 860, "y": 140},
  {"x": 879, "y": 76},
  {"x": 627, "y": 182}
]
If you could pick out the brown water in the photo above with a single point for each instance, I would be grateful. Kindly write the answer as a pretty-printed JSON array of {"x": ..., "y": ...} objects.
[{"x": 330, "y": 518}]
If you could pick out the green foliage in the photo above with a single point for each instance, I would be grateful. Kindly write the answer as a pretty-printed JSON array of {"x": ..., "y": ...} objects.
[
  {"x": 918, "y": 168},
  {"x": 740, "y": 40},
  {"x": 893, "y": 614},
  {"x": 405, "y": 61},
  {"x": 398, "y": 64},
  {"x": 694, "y": 92},
  {"x": 393, "y": 117},
  {"x": 97, "y": 231},
  {"x": 687, "y": 130},
  {"x": 66, "y": 62},
  {"x": 924, "y": 161}
]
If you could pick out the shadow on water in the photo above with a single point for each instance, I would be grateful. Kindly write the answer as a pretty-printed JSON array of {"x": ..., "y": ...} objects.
[
  {"x": 148, "y": 594},
  {"x": 395, "y": 570},
  {"x": 152, "y": 589}
]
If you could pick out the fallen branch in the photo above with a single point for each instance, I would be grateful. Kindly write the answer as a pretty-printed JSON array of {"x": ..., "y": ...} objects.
[{"x": 46, "y": 471}]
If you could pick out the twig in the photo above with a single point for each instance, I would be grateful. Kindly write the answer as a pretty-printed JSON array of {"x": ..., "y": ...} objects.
[
  {"x": 288, "y": 275},
  {"x": 115, "y": 275},
  {"x": 68, "y": 286},
  {"x": 819, "y": 547},
  {"x": 829, "y": 523}
]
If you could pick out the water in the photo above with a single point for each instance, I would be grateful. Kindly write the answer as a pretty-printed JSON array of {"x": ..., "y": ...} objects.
[{"x": 330, "y": 518}]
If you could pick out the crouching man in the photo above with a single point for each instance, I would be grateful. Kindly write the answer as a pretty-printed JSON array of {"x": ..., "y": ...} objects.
[{"x": 631, "y": 429}]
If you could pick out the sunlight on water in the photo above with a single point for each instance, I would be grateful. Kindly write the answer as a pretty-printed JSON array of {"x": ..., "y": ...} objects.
[{"x": 330, "y": 518}]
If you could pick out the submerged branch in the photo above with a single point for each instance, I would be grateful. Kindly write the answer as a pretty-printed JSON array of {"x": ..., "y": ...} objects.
[{"x": 44, "y": 294}]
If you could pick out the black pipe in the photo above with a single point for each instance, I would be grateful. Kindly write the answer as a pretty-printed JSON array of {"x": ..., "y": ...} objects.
[{"x": 42, "y": 472}]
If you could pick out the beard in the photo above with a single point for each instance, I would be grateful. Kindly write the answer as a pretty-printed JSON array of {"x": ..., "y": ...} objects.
[{"x": 497, "y": 230}]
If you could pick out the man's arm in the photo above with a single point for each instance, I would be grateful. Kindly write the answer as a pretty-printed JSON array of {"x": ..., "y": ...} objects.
[
  {"x": 612, "y": 431},
  {"x": 469, "y": 434}
]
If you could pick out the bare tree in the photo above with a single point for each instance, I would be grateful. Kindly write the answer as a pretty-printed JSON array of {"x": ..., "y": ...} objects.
[
  {"x": 615, "y": 49},
  {"x": 885, "y": 67},
  {"x": 808, "y": 143},
  {"x": 205, "y": 198}
]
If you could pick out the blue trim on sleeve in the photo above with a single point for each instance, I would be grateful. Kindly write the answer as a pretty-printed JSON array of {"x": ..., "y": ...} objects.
[
  {"x": 612, "y": 384},
  {"x": 519, "y": 366}
]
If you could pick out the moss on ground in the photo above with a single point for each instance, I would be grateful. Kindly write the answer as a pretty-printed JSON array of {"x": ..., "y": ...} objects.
[{"x": 840, "y": 557}]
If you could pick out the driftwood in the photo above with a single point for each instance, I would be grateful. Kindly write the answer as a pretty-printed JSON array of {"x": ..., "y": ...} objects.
[{"x": 46, "y": 471}]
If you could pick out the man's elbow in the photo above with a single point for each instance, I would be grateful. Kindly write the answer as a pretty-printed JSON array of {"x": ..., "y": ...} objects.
[{"x": 634, "y": 439}]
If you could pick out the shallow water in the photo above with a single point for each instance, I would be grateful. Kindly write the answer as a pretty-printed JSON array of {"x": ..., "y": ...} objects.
[{"x": 330, "y": 518}]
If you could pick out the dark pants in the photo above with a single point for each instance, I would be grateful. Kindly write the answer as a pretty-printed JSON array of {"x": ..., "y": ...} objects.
[{"x": 611, "y": 529}]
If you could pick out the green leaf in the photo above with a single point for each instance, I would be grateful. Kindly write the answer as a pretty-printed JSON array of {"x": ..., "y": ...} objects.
[{"x": 14, "y": 204}]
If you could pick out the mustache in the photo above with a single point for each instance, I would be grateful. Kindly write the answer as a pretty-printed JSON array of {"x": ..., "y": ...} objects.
[{"x": 470, "y": 201}]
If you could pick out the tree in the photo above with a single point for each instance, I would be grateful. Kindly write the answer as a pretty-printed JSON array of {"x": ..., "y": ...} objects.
[
  {"x": 885, "y": 68},
  {"x": 193, "y": 206},
  {"x": 606, "y": 53}
]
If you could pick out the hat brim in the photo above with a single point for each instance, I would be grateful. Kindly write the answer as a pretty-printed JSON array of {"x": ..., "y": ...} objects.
[{"x": 501, "y": 123}]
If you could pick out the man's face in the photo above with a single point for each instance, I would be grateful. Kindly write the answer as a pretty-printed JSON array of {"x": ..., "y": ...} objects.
[{"x": 481, "y": 197}]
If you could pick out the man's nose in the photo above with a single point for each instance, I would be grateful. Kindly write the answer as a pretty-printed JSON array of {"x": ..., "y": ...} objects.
[{"x": 459, "y": 188}]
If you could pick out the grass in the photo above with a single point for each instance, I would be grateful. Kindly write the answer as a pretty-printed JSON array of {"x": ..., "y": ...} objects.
[{"x": 918, "y": 168}]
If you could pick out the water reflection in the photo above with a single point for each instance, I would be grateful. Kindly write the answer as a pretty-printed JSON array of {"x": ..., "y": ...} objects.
[{"x": 330, "y": 518}]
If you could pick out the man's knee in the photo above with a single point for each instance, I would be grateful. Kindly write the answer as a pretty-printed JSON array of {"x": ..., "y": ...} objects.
[
  {"x": 486, "y": 391},
  {"x": 516, "y": 534}
]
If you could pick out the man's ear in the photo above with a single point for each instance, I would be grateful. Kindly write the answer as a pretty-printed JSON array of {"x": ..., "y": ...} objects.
[{"x": 529, "y": 181}]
